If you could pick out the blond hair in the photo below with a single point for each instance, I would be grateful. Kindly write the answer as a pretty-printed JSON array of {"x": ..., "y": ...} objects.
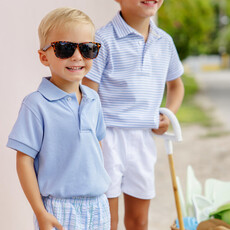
[{"x": 58, "y": 18}]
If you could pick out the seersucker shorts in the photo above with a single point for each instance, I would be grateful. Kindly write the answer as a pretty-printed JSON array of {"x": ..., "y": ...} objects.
[
  {"x": 80, "y": 213},
  {"x": 130, "y": 156}
]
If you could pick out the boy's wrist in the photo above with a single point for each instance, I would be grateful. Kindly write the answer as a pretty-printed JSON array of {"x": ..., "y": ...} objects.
[{"x": 40, "y": 212}]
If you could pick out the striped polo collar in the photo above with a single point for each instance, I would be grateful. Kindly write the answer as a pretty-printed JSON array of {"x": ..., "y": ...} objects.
[
  {"x": 51, "y": 92},
  {"x": 123, "y": 29}
]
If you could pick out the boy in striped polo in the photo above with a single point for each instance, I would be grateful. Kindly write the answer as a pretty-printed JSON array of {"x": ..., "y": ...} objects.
[
  {"x": 59, "y": 160},
  {"x": 136, "y": 60}
]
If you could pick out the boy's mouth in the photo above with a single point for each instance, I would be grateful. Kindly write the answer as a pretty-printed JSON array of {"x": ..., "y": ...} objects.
[
  {"x": 150, "y": 3},
  {"x": 75, "y": 68}
]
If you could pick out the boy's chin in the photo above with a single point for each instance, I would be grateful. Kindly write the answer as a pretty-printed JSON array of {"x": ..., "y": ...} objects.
[
  {"x": 149, "y": 15},
  {"x": 150, "y": 12}
]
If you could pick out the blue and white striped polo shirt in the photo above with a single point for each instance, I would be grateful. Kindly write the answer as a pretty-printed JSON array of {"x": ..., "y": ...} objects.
[{"x": 132, "y": 73}]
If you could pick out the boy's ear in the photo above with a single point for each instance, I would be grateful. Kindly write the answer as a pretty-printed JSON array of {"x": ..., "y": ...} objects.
[{"x": 43, "y": 57}]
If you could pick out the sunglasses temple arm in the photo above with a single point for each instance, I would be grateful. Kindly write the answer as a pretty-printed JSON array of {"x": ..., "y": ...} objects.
[{"x": 46, "y": 47}]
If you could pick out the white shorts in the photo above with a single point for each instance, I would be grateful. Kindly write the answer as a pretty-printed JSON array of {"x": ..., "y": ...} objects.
[{"x": 130, "y": 156}]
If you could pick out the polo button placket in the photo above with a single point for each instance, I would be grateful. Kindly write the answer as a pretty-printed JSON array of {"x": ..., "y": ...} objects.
[
  {"x": 81, "y": 107},
  {"x": 140, "y": 43},
  {"x": 74, "y": 107}
]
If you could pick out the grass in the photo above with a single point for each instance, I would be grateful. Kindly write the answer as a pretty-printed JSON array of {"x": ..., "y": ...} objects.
[
  {"x": 190, "y": 112},
  {"x": 216, "y": 134}
]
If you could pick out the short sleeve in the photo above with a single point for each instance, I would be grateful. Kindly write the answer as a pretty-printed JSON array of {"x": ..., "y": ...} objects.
[
  {"x": 99, "y": 63},
  {"x": 176, "y": 68},
  {"x": 101, "y": 127},
  {"x": 27, "y": 133}
]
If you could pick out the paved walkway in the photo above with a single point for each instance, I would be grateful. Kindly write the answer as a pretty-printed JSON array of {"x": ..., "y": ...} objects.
[
  {"x": 209, "y": 156},
  {"x": 215, "y": 92}
]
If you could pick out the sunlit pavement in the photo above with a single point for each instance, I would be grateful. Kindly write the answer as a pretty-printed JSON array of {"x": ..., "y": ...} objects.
[{"x": 215, "y": 90}]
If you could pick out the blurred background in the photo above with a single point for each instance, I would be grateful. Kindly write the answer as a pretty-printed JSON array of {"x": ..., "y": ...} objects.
[
  {"x": 198, "y": 27},
  {"x": 201, "y": 32}
]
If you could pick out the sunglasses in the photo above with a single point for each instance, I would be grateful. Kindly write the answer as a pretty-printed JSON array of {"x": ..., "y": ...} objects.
[{"x": 65, "y": 50}]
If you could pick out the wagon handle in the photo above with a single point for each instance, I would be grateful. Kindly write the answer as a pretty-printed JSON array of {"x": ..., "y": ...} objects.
[{"x": 169, "y": 138}]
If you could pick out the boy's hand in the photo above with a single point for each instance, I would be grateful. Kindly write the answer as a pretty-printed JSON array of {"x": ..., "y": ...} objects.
[
  {"x": 163, "y": 125},
  {"x": 48, "y": 222}
]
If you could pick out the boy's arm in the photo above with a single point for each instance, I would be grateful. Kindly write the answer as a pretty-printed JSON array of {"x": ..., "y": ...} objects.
[
  {"x": 28, "y": 180},
  {"x": 175, "y": 94},
  {"x": 92, "y": 84},
  {"x": 174, "y": 97}
]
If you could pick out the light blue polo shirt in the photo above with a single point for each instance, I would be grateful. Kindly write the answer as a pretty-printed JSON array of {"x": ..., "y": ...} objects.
[
  {"x": 63, "y": 138},
  {"x": 132, "y": 73}
]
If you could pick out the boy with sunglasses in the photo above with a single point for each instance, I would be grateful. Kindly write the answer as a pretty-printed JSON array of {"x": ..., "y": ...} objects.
[
  {"x": 135, "y": 62},
  {"x": 57, "y": 133}
]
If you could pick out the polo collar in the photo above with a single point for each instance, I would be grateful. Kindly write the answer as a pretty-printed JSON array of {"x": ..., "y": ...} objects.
[
  {"x": 154, "y": 30},
  {"x": 123, "y": 29},
  {"x": 51, "y": 92}
]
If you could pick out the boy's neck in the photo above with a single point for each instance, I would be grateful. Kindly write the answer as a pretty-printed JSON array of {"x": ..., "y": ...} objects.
[
  {"x": 141, "y": 25},
  {"x": 68, "y": 87}
]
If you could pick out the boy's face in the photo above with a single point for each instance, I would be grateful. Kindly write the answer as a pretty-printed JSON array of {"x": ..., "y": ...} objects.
[
  {"x": 73, "y": 69},
  {"x": 140, "y": 8}
]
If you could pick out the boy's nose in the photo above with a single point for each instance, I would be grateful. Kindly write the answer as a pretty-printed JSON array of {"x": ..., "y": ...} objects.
[{"x": 77, "y": 55}]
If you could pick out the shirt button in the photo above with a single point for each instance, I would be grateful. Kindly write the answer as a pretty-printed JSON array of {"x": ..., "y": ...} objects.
[{"x": 69, "y": 98}]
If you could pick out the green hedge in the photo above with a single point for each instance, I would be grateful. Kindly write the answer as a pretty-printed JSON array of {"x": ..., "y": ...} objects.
[{"x": 193, "y": 25}]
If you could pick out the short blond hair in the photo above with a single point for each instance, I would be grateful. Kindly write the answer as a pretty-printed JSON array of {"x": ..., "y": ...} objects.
[{"x": 58, "y": 18}]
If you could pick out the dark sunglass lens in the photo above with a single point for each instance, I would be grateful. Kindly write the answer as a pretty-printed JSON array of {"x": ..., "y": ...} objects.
[
  {"x": 89, "y": 50},
  {"x": 64, "y": 49}
]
